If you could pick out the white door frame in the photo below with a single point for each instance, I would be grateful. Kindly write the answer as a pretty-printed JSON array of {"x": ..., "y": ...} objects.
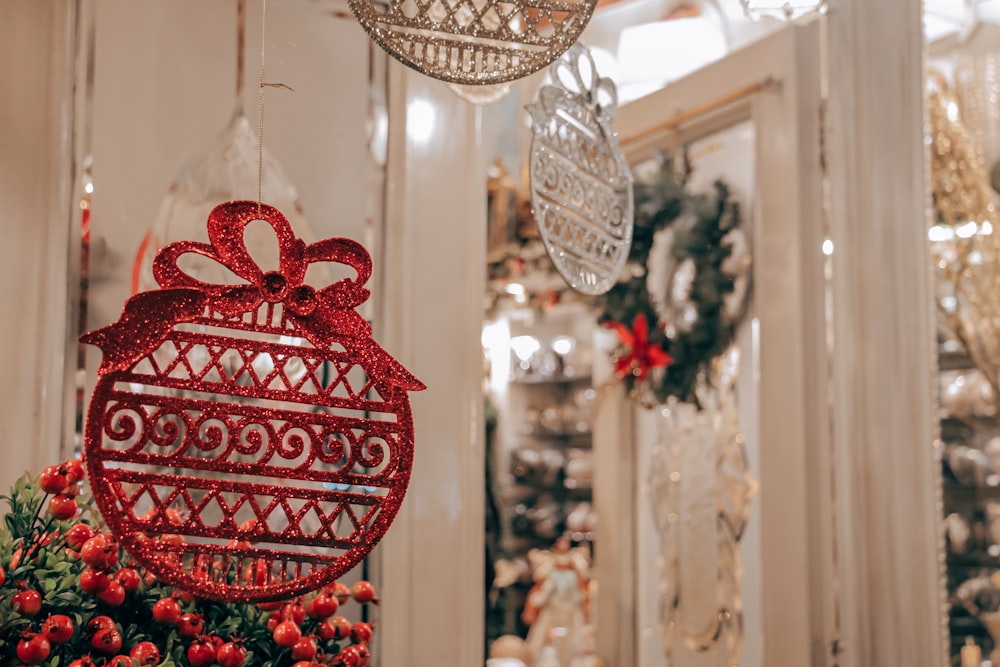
[{"x": 794, "y": 503}]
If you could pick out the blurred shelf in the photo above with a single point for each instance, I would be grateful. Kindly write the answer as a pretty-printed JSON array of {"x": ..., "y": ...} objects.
[
  {"x": 954, "y": 361},
  {"x": 546, "y": 433},
  {"x": 976, "y": 559},
  {"x": 536, "y": 380}
]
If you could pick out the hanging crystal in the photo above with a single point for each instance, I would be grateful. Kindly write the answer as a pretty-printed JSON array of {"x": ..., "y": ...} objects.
[{"x": 227, "y": 169}]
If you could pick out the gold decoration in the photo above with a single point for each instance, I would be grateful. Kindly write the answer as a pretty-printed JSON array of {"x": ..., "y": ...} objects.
[
  {"x": 967, "y": 249},
  {"x": 476, "y": 42}
]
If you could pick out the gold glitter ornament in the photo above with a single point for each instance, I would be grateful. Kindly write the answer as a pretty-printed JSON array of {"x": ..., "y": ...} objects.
[
  {"x": 474, "y": 42},
  {"x": 968, "y": 253},
  {"x": 581, "y": 185}
]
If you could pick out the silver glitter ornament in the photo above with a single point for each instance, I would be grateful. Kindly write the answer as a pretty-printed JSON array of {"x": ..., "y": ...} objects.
[
  {"x": 477, "y": 42},
  {"x": 581, "y": 185}
]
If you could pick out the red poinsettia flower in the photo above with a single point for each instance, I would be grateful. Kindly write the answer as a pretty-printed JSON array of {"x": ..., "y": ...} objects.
[{"x": 640, "y": 356}]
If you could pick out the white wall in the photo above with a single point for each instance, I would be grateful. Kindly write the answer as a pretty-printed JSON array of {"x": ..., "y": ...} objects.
[{"x": 35, "y": 150}]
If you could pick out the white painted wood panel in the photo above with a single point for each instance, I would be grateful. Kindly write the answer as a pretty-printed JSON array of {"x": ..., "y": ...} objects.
[
  {"x": 888, "y": 518},
  {"x": 36, "y": 267}
]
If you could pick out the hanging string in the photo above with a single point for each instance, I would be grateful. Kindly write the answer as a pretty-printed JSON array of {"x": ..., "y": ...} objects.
[
  {"x": 262, "y": 84},
  {"x": 241, "y": 44},
  {"x": 260, "y": 107}
]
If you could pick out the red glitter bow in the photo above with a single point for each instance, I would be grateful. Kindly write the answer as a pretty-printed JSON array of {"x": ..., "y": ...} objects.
[
  {"x": 641, "y": 356},
  {"x": 321, "y": 316}
]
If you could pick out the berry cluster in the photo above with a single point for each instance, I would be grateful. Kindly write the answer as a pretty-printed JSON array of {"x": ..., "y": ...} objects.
[{"x": 70, "y": 596}]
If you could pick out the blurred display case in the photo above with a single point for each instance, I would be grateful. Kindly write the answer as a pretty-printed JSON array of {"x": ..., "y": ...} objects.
[{"x": 540, "y": 459}]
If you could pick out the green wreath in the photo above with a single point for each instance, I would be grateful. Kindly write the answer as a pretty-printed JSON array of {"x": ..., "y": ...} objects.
[{"x": 659, "y": 358}]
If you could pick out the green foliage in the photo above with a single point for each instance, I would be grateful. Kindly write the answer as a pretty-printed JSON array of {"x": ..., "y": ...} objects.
[
  {"x": 34, "y": 555},
  {"x": 658, "y": 205}
]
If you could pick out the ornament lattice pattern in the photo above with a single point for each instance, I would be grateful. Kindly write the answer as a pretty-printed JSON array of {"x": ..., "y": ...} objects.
[
  {"x": 581, "y": 185},
  {"x": 261, "y": 445},
  {"x": 475, "y": 42}
]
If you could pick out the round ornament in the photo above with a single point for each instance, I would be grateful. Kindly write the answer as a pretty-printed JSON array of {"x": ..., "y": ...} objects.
[
  {"x": 581, "y": 185},
  {"x": 477, "y": 42},
  {"x": 249, "y": 441}
]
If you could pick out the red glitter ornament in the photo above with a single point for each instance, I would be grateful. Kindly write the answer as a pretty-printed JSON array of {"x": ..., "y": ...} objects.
[{"x": 249, "y": 442}]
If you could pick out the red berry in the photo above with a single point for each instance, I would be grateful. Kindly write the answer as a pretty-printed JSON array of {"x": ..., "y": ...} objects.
[
  {"x": 33, "y": 648},
  {"x": 74, "y": 470},
  {"x": 190, "y": 626},
  {"x": 99, "y": 552},
  {"x": 270, "y": 606},
  {"x": 304, "y": 649},
  {"x": 365, "y": 653},
  {"x": 350, "y": 656},
  {"x": 93, "y": 581},
  {"x": 201, "y": 652},
  {"x": 341, "y": 592},
  {"x": 119, "y": 661},
  {"x": 341, "y": 627},
  {"x": 323, "y": 606},
  {"x": 100, "y": 623},
  {"x": 113, "y": 595},
  {"x": 3, "y": 575},
  {"x": 28, "y": 602},
  {"x": 325, "y": 630},
  {"x": 273, "y": 620},
  {"x": 146, "y": 653},
  {"x": 231, "y": 654},
  {"x": 361, "y": 633},
  {"x": 294, "y": 611},
  {"x": 78, "y": 535},
  {"x": 53, "y": 479},
  {"x": 167, "y": 611},
  {"x": 63, "y": 507},
  {"x": 85, "y": 661},
  {"x": 287, "y": 634},
  {"x": 129, "y": 579},
  {"x": 364, "y": 592},
  {"x": 58, "y": 628},
  {"x": 256, "y": 573},
  {"x": 107, "y": 641}
]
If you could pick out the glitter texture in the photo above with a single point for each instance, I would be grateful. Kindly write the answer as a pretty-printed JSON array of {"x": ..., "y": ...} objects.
[
  {"x": 474, "y": 42},
  {"x": 249, "y": 442},
  {"x": 581, "y": 186}
]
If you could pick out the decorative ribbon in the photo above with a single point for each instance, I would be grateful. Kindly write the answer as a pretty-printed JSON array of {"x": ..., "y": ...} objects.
[{"x": 321, "y": 316}]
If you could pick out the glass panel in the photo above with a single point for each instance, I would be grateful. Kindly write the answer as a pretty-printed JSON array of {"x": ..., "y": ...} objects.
[{"x": 698, "y": 571}]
